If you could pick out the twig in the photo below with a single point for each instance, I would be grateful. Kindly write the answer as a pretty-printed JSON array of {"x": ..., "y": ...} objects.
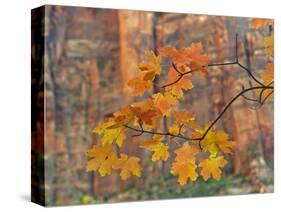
[
  {"x": 236, "y": 62},
  {"x": 228, "y": 105},
  {"x": 241, "y": 93}
]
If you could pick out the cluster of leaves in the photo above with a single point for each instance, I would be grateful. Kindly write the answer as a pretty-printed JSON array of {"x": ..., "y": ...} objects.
[
  {"x": 267, "y": 76},
  {"x": 201, "y": 151},
  {"x": 146, "y": 116}
]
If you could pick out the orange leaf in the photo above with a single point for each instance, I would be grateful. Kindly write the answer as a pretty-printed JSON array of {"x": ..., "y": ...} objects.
[
  {"x": 185, "y": 171},
  {"x": 159, "y": 149},
  {"x": 178, "y": 85},
  {"x": 179, "y": 57},
  {"x": 183, "y": 116},
  {"x": 199, "y": 61},
  {"x": 258, "y": 22},
  {"x": 184, "y": 165},
  {"x": 146, "y": 112},
  {"x": 164, "y": 102},
  {"x": 223, "y": 143},
  {"x": 211, "y": 166},
  {"x": 122, "y": 117},
  {"x": 139, "y": 86},
  {"x": 191, "y": 57},
  {"x": 186, "y": 152},
  {"x": 268, "y": 75},
  {"x": 129, "y": 166},
  {"x": 152, "y": 66}
]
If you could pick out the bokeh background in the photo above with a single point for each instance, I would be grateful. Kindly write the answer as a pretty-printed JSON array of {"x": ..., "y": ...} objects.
[{"x": 82, "y": 59}]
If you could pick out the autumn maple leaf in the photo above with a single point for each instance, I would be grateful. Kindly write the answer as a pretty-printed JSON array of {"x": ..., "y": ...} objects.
[
  {"x": 179, "y": 57},
  {"x": 146, "y": 112},
  {"x": 212, "y": 167},
  {"x": 110, "y": 134},
  {"x": 199, "y": 61},
  {"x": 183, "y": 117},
  {"x": 102, "y": 159},
  {"x": 174, "y": 129},
  {"x": 122, "y": 118},
  {"x": 215, "y": 141},
  {"x": 191, "y": 57},
  {"x": 164, "y": 102},
  {"x": 177, "y": 86},
  {"x": 139, "y": 85},
  {"x": 184, "y": 165},
  {"x": 159, "y": 149},
  {"x": 153, "y": 64},
  {"x": 128, "y": 165}
]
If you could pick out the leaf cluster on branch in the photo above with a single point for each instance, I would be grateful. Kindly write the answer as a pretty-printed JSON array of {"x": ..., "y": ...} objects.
[{"x": 201, "y": 151}]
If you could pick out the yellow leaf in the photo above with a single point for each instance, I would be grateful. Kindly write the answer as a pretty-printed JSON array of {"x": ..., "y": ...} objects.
[
  {"x": 120, "y": 139},
  {"x": 159, "y": 149},
  {"x": 122, "y": 117},
  {"x": 223, "y": 143},
  {"x": 150, "y": 75},
  {"x": 129, "y": 166},
  {"x": 139, "y": 86},
  {"x": 86, "y": 199},
  {"x": 174, "y": 129},
  {"x": 269, "y": 44},
  {"x": 212, "y": 166},
  {"x": 209, "y": 144},
  {"x": 153, "y": 64},
  {"x": 109, "y": 135},
  {"x": 157, "y": 137},
  {"x": 102, "y": 159},
  {"x": 216, "y": 141},
  {"x": 184, "y": 165}
]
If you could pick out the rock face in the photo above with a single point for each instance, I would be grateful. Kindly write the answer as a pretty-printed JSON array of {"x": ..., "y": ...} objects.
[{"x": 82, "y": 59}]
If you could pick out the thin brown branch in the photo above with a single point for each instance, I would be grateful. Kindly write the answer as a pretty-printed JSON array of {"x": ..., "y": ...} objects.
[
  {"x": 228, "y": 105},
  {"x": 176, "y": 68},
  {"x": 181, "y": 75},
  {"x": 159, "y": 133},
  {"x": 266, "y": 97},
  {"x": 236, "y": 62},
  {"x": 141, "y": 130}
]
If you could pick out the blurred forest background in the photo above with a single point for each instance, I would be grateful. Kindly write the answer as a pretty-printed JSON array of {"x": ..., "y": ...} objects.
[{"x": 89, "y": 56}]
